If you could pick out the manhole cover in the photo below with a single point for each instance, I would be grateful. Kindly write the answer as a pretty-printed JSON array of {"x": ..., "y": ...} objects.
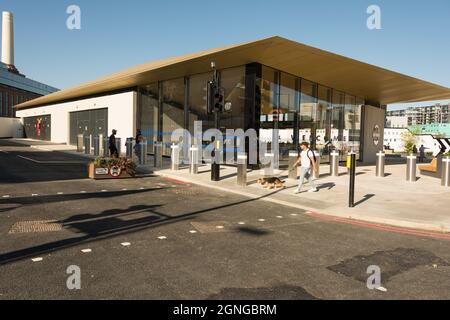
[
  {"x": 35, "y": 226},
  {"x": 212, "y": 226},
  {"x": 391, "y": 263}
]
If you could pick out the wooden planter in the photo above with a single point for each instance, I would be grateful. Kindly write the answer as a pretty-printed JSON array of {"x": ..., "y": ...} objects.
[{"x": 106, "y": 173}]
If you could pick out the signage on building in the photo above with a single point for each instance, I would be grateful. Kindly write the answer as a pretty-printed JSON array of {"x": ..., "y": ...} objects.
[
  {"x": 101, "y": 171},
  {"x": 376, "y": 134}
]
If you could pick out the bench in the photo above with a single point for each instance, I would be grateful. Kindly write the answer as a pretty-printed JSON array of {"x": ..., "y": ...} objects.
[{"x": 434, "y": 169}]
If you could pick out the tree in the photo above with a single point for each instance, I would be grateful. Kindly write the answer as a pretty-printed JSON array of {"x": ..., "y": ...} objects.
[{"x": 409, "y": 140}]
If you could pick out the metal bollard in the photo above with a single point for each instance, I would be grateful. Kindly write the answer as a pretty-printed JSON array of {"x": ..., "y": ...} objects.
[
  {"x": 411, "y": 170},
  {"x": 129, "y": 148},
  {"x": 242, "y": 169},
  {"x": 316, "y": 175},
  {"x": 445, "y": 182},
  {"x": 119, "y": 146},
  {"x": 101, "y": 144},
  {"x": 175, "y": 157},
  {"x": 96, "y": 146},
  {"x": 158, "y": 155},
  {"x": 352, "y": 172},
  {"x": 293, "y": 171},
  {"x": 80, "y": 143},
  {"x": 193, "y": 161},
  {"x": 143, "y": 152},
  {"x": 87, "y": 144},
  {"x": 269, "y": 168},
  {"x": 379, "y": 172},
  {"x": 106, "y": 147},
  {"x": 334, "y": 164}
]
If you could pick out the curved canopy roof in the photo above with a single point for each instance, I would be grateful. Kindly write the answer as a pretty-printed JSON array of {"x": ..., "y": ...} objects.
[{"x": 349, "y": 75}]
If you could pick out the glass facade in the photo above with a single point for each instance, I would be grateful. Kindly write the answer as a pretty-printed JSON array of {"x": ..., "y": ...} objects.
[
  {"x": 172, "y": 110},
  {"x": 300, "y": 109},
  {"x": 148, "y": 113}
]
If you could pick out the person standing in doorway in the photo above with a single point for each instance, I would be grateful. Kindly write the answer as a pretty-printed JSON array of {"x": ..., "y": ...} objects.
[
  {"x": 307, "y": 162},
  {"x": 112, "y": 145}
]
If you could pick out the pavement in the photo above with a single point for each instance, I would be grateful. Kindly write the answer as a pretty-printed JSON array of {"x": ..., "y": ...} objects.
[
  {"x": 390, "y": 200},
  {"x": 156, "y": 237}
]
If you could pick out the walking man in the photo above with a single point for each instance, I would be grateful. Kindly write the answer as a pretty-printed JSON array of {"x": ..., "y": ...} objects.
[
  {"x": 307, "y": 162},
  {"x": 114, "y": 153}
]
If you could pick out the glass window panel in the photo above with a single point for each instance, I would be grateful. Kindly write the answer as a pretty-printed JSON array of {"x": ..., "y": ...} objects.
[
  {"x": 269, "y": 105},
  {"x": 148, "y": 115},
  {"x": 197, "y": 101},
  {"x": 308, "y": 110},
  {"x": 286, "y": 114},
  {"x": 233, "y": 82},
  {"x": 337, "y": 121},
  {"x": 323, "y": 122},
  {"x": 173, "y": 110}
]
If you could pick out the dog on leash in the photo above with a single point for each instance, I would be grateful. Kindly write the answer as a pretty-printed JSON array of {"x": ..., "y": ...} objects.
[{"x": 271, "y": 183}]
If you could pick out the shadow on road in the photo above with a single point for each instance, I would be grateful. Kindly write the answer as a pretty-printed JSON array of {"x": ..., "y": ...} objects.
[{"x": 108, "y": 224}]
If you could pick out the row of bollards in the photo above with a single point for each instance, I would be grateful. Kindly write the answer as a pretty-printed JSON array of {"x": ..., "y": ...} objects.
[
  {"x": 411, "y": 168},
  {"x": 411, "y": 171},
  {"x": 96, "y": 145}
]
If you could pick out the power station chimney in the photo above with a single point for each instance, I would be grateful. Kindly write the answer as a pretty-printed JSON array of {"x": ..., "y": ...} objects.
[{"x": 8, "y": 39}]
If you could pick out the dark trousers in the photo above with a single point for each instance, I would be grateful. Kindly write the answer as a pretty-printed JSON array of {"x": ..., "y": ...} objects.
[{"x": 113, "y": 152}]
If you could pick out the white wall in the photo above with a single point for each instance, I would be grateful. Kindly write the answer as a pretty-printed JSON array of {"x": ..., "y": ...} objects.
[
  {"x": 11, "y": 128},
  {"x": 393, "y": 138},
  {"x": 121, "y": 115}
]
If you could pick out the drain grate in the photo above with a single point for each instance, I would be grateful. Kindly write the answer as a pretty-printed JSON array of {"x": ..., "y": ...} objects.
[
  {"x": 35, "y": 226},
  {"x": 391, "y": 263}
]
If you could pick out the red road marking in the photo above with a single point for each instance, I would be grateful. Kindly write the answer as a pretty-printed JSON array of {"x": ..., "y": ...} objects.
[
  {"x": 381, "y": 227},
  {"x": 177, "y": 181}
]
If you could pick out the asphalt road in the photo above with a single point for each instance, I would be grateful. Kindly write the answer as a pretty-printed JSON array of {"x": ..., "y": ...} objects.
[{"x": 152, "y": 238}]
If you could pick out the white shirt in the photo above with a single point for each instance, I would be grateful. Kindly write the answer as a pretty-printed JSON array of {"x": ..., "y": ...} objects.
[{"x": 305, "y": 160}]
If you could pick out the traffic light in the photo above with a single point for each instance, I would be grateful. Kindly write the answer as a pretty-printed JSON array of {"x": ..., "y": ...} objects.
[
  {"x": 219, "y": 100},
  {"x": 215, "y": 98},
  {"x": 210, "y": 96}
]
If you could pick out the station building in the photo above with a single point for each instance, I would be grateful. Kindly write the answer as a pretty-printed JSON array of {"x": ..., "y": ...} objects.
[{"x": 306, "y": 93}]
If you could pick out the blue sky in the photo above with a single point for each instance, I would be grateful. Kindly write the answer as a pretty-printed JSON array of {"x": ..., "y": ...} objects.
[{"x": 118, "y": 34}]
